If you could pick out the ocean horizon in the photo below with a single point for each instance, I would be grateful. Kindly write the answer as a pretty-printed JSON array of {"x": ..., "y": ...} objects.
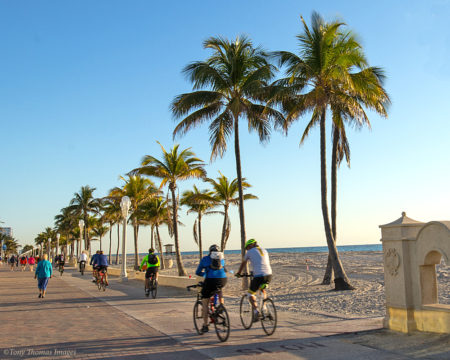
[{"x": 306, "y": 249}]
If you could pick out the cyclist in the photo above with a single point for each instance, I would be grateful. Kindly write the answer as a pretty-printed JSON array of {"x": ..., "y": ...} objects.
[
  {"x": 61, "y": 260},
  {"x": 262, "y": 271},
  {"x": 212, "y": 268},
  {"x": 102, "y": 265},
  {"x": 93, "y": 262},
  {"x": 83, "y": 259},
  {"x": 152, "y": 262}
]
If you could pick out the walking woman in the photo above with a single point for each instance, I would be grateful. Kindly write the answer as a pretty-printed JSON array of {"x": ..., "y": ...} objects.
[
  {"x": 43, "y": 273},
  {"x": 31, "y": 262}
]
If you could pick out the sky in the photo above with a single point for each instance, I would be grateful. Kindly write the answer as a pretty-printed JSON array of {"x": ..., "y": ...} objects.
[{"x": 85, "y": 88}]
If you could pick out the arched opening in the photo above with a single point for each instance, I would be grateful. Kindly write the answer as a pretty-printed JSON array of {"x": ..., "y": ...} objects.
[{"x": 429, "y": 278}]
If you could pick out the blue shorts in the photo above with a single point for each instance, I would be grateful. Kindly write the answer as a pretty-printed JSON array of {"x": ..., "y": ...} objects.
[{"x": 42, "y": 283}]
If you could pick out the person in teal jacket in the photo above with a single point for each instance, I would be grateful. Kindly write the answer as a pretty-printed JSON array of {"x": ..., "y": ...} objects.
[{"x": 43, "y": 272}]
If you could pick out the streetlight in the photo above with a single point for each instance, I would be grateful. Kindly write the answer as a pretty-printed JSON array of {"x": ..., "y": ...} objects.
[
  {"x": 81, "y": 225},
  {"x": 125, "y": 204},
  {"x": 58, "y": 235}
]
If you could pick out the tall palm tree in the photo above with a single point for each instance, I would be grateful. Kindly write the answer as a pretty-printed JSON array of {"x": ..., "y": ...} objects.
[
  {"x": 65, "y": 222},
  {"x": 139, "y": 190},
  {"x": 99, "y": 230},
  {"x": 200, "y": 202},
  {"x": 112, "y": 215},
  {"x": 230, "y": 85},
  {"x": 84, "y": 203},
  {"x": 156, "y": 213},
  {"x": 174, "y": 166},
  {"x": 329, "y": 74},
  {"x": 226, "y": 193}
]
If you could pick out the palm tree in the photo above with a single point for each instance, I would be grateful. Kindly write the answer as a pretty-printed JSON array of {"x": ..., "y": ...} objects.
[
  {"x": 113, "y": 214},
  {"x": 230, "y": 85},
  {"x": 198, "y": 201},
  {"x": 65, "y": 223},
  {"x": 84, "y": 204},
  {"x": 139, "y": 190},
  {"x": 173, "y": 167},
  {"x": 226, "y": 194},
  {"x": 99, "y": 230},
  {"x": 156, "y": 213},
  {"x": 330, "y": 73}
]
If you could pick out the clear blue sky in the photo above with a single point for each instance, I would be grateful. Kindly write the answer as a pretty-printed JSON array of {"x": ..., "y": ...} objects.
[{"x": 85, "y": 92}]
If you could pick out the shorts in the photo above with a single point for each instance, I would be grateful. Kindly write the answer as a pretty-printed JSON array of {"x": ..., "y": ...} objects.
[
  {"x": 42, "y": 283},
  {"x": 211, "y": 285},
  {"x": 150, "y": 271},
  {"x": 256, "y": 283},
  {"x": 61, "y": 263},
  {"x": 102, "y": 267}
]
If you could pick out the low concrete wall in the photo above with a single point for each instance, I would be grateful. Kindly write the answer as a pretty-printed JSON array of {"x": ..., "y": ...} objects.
[{"x": 163, "y": 280}]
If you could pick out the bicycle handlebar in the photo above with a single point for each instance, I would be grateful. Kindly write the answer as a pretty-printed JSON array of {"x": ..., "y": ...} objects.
[
  {"x": 200, "y": 284},
  {"x": 244, "y": 275}
]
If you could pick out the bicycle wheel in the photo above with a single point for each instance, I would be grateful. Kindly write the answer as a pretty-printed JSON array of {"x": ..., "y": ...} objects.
[
  {"x": 269, "y": 316},
  {"x": 222, "y": 323},
  {"x": 198, "y": 317},
  {"x": 246, "y": 312},
  {"x": 153, "y": 288}
]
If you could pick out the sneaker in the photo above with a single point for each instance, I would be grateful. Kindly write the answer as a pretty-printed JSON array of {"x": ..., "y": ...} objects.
[
  {"x": 40, "y": 295},
  {"x": 256, "y": 316},
  {"x": 147, "y": 292},
  {"x": 205, "y": 329}
]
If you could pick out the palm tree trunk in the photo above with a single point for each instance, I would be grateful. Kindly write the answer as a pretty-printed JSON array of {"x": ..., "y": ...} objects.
[
  {"x": 181, "y": 270},
  {"x": 118, "y": 242},
  {"x": 341, "y": 281},
  {"x": 241, "y": 194},
  {"x": 200, "y": 235},
  {"x": 151, "y": 237},
  {"x": 329, "y": 270},
  {"x": 224, "y": 228},
  {"x": 110, "y": 241},
  {"x": 158, "y": 240},
  {"x": 136, "y": 254}
]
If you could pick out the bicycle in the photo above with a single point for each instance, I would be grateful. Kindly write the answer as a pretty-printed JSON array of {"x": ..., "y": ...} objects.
[
  {"x": 61, "y": 269},
  {"x": 217, "y": 314},
  {"x": 153, "y": 286},
  {"x": 101, "y": 280},
  {"x": 82, "y": 267},
  {"x": 268, "y": 312}
]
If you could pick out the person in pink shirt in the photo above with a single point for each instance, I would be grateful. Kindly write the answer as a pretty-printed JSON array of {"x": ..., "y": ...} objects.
[{"x": 31, "y": 262}]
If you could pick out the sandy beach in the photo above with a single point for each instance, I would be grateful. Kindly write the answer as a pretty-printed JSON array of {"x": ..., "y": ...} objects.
[{"x": 296, "y": 287}]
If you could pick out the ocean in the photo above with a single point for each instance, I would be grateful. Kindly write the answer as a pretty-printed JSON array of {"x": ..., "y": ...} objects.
[{"x": 309, "y": 249}]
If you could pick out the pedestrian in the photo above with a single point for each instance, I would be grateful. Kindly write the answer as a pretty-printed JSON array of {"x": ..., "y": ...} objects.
[
  {"x": 12, "y": 262},
  {"x": 43, "y": 272},
  {"x": 31, "y": 262},
  {"x": 23, "y": 262}
]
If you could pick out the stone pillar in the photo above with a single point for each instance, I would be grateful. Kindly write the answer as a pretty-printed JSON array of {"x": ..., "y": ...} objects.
[{"x": 399, "y": 252}]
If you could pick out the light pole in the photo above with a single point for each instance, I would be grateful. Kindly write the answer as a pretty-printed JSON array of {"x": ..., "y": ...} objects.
[
  {"x": 125, "y": 204},
  {"x": 81, "y": 225},
  {"x": 58, "y": 235}
]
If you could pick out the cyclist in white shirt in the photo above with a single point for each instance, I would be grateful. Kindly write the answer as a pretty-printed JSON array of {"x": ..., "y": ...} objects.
[
  {"x": 83, "y": 258},
  {"x": 262, "y": 271}
]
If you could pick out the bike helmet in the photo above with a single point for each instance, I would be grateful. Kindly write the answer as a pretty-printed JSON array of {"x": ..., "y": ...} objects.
[
  {"x": 249, "y": 242},
  {"x": 151, "y": 250},
  {"x": 213, "y": 248}
]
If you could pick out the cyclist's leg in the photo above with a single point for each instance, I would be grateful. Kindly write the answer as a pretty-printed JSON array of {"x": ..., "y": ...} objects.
[
  {"x": 105, "y": 270},
  {"x": 208, "y": 289}
]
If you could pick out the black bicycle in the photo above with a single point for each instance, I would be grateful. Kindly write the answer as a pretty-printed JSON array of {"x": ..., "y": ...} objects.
[
  {"x": 217, "y": 314},
  {"x": 267, "y": 314},
  {"x": 61, "y": 269},
  {"x": 82, "y": 267},
  {"x": 153, "y": 286}
]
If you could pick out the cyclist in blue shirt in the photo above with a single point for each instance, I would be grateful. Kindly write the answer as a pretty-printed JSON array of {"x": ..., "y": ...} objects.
[
  {"x": 102, "y": 264},
  {"x": 212, "y": 268},
  {"x": 93, "y": 262}
]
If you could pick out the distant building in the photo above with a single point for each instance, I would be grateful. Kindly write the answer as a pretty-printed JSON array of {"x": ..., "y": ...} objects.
[{"x": 6, "y": 231}]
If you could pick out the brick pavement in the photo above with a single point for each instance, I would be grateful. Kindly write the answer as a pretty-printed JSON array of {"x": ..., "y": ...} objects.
[{"x": 69, "y": 323}]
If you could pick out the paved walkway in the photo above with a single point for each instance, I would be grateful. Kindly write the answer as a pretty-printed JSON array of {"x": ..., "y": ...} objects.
[{"x": 75, "y": 320}]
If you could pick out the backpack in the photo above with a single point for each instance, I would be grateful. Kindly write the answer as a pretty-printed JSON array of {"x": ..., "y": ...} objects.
[
  {"x": 152, "y": 259},
  {"x": 216, "y": 260}
]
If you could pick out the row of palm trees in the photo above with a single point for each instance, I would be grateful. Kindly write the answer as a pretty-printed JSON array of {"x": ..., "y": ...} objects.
[
  {"x": 12, "y": 244},
  {"x": 329, "y": 75},
  {"x": 149, "y": 206}
]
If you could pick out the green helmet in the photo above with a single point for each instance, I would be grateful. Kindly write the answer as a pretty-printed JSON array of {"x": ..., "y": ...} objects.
[{"x": 249, "y": 242}]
